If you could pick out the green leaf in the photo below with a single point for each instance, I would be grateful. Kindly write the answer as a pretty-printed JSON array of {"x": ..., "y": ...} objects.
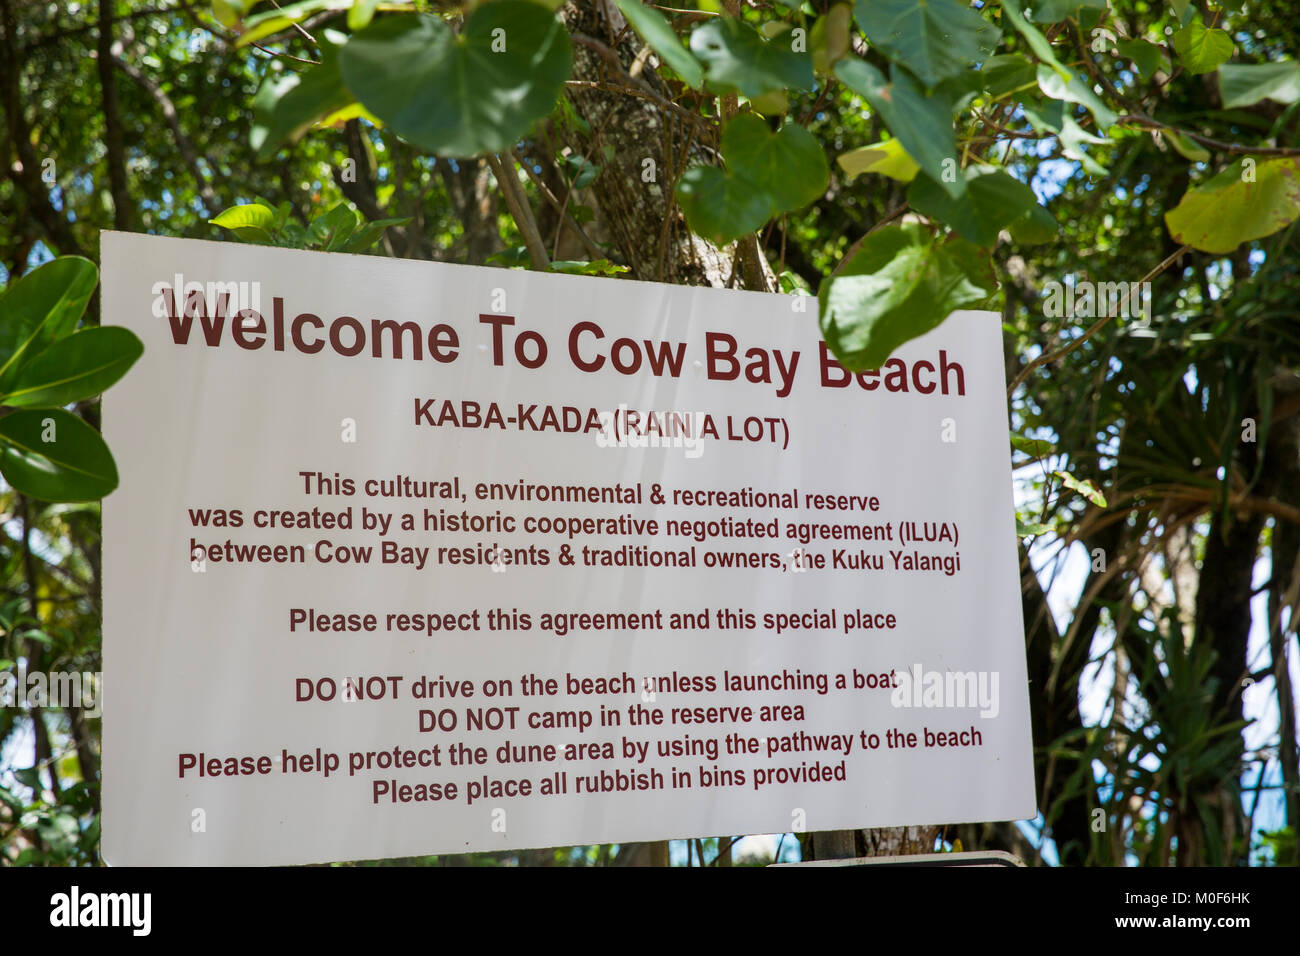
[
  {"x": 922, "y": 123},
  {"x": 370, "y": 233},
  {"x": 274, "y": 20},
  {"x": 1030, "y": 529},
  {"x": 227, "y": 12},
  {"x": 52, "y": 455},
  {"x": 74, "y": 368},
  {"x": 1075, "y": 90},
  {"x": 1202, "y": 50},
  {"x": 829, "y": 37},
  {"x": 788, "y": 166},
  {"x": 40, "y": 308},
  {"x": 1033, "y": 36},
  {"x": 1054, "y": 11},
  {"x": 252, "y": 222},
  {"x": 993, "y": 201},
  {"x": 738, "y": 58},
  {"x": 1245, "y": 85},
  {"x": 935, "y": 39},
  {"x": 361, "y": 13},
  {"x": 286, "y": 107},
  {"x": 1248, "y": 200},
  {"x": 899, "y": 285},
  {"x": 1034, "y": 227},
  {"x": 1000, "y": 75},
  {"x": 654, "y": 29},
  {"x": 1036, "y": 447},
  {"x": 887, "y": 158},
  {"x": 1085, "y": 488},
  {"x": 1185, "y": 147},
  {"x": 719, "y": 207},
  {"x": 1147, "y": 57},
  {"x": 331, "y": 230},
  {"x": 1050, "y": 116},
  {"x": 457, "y": 95},
  {"x": 596, "y": 267}
]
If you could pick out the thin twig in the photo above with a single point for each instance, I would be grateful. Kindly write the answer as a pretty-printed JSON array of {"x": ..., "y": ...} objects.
[{"x": 1096, "y": 326}]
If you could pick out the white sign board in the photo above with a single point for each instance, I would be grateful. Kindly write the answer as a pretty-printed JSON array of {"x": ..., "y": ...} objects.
[{"x": 412, "y": 558}]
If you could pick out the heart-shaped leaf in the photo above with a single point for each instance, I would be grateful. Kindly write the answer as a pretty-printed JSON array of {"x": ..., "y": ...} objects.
[
  {"x": 461, "y": 95},
  {"x": 1200, "y": 48},
  {"x": 788, "y": 165},
  {"x": 719, "y": 207},
  {"x": 935, "y": 39},
  {"x": 899, "y": 285}
]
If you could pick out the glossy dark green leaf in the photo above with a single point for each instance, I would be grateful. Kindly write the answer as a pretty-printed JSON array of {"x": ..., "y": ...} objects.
[
  {"x": 41, "y": 307},
  {"x": 77, "y": 367},
  {"x": 52, "y": 455},
  {"x": 462, "y": 95}
]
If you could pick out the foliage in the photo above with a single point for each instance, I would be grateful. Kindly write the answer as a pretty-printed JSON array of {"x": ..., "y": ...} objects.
[{"x": 980, "y": 151}]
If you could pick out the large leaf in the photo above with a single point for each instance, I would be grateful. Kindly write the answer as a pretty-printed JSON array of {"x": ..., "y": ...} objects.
[
  {"x": 1248, "y": 200},
  {"x": 39, "y": 308},
  {"x": 738, "y": 58},
  {"x": 457, "y": 95},
  {"x": 1247, "y": 84},
  {"x": 79, "y": 366},
  {"x": 788, "y": 165},
  {"x": 654, "y": 29},
  {"x": 935, "y": 39},
  {"x": 720, "y": 207},
  {"x": 899, "y": 285},
  {"x": 50, "y": 454},
  {"x": 993, "y": 201},
  {"x": 1200, "y": 48},
  {"x": 921, "y": 122},
  {"x": 286, "y": 107}
]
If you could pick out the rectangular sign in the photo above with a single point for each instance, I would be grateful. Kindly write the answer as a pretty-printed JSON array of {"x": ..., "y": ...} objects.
[{"x": 411, "y": 558}]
